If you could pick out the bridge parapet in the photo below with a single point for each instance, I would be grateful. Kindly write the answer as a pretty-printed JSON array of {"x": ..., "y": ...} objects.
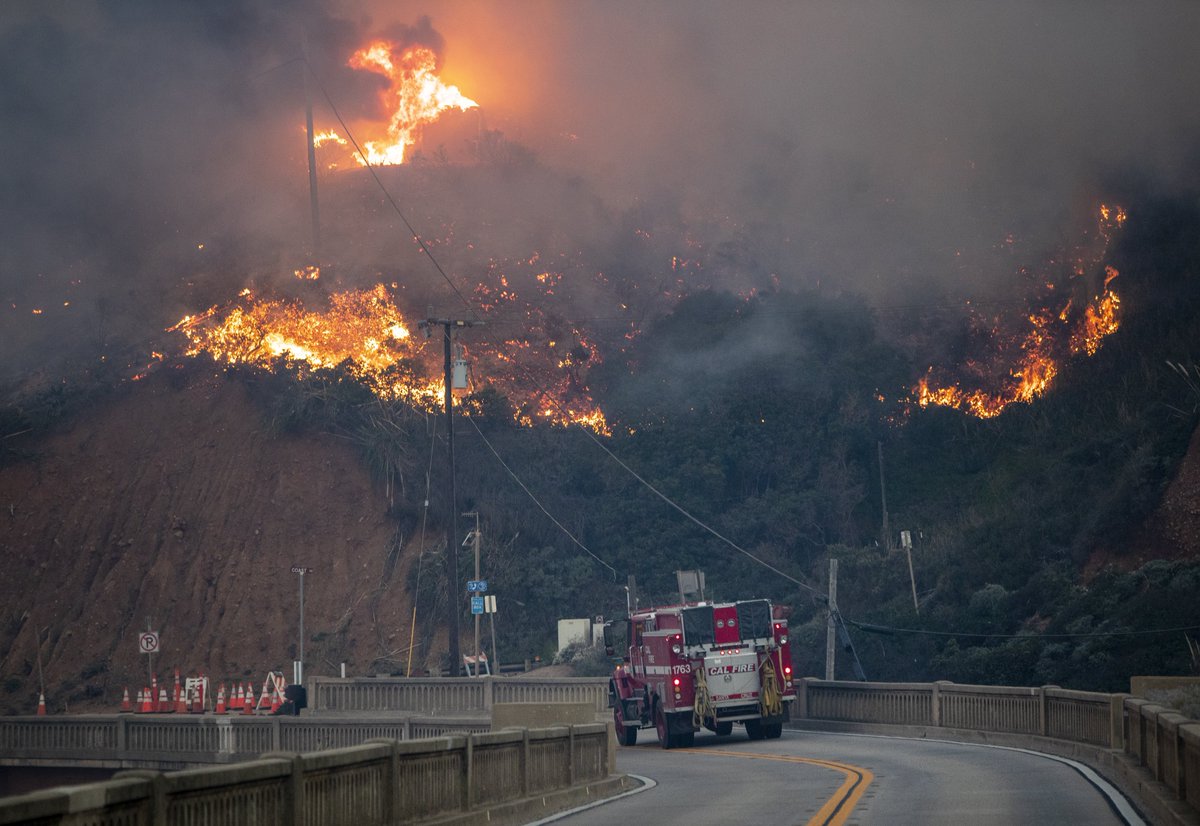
[
  {"x": 168, "y": 742},
  {"x": 446, "y": 696},
  {"x": 384, "y": 781},
  {"x": 1157, "y": 738}
]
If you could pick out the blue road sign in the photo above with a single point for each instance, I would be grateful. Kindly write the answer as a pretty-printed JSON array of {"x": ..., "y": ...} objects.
[
  {"x": 476, "y": 605},
  {"x": 476, "y": 586}
]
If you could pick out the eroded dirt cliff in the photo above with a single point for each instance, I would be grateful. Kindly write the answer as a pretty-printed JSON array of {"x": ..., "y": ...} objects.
[{"x": 173, "y": 501}]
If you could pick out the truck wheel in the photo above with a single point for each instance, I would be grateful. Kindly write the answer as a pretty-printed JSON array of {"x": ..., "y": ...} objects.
[
  {"x": 772, "y": 731},
  {"x": 754, "y": 729},
  {"x": 626, "y": 735},
  {"x": 723, "y": 729},
  {"x": 660, "y": 722}
]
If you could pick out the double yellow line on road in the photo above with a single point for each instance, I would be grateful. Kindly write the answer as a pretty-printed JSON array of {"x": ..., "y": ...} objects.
[{"x": 837, "y": 808}]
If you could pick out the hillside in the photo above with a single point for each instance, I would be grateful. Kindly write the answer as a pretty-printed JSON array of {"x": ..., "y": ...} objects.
[
  {"x": 1053, "y": 543},
  {"x": 171, "y": 499}
]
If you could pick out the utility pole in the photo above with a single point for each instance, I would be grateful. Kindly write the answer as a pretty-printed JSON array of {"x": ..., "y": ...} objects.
[
  {"x": 906, "y": 544},
  {"x": 475, "y": 538},
  {"x": 491, "y": 603},
  {"x": 312, "y": 161},
  {"x": 451, "y": 566},
  {"x": 887, "y": 534},
  {"x": 831, "y": 623},
  {"x": 149, "y": 660},
  {"x": 298, "y": 665}
]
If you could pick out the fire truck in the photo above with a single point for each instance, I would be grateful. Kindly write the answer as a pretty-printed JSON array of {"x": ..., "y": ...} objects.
[{"x": 701, "y": 665}]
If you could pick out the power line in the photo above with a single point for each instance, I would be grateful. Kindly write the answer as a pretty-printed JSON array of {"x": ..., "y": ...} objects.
[
  {"x": 529, "y": 493},
  {"x": 533, "y": 380}
]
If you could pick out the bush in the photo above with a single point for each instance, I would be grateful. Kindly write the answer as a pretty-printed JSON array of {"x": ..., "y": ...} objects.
[{"x": 585, "y": 660}]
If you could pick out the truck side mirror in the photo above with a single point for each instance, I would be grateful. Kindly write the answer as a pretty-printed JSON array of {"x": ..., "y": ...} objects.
[{"x": 609, "y": 647}]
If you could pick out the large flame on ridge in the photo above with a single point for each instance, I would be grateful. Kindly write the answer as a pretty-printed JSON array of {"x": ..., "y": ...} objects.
[
  {"x": 416, "y": 96},
  {"x": 1053, "y": 330},
  {"x": 366, "y": 331}
]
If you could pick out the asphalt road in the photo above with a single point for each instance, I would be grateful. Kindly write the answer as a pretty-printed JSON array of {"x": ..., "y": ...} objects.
[{"x": 813, "y": 777}]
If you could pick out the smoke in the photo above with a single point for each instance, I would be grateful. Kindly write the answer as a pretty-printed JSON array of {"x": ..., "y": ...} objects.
[{"x": 152, "y": 157}]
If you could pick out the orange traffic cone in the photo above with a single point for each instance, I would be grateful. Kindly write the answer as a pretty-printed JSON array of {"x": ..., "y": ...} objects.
[
  {"x": 126, "y": 707},
  {"x": 276, "y": 702},
  {"x": 221, "y": 709},
  {"x": 164, "y": 705},
  {"x": 248, "y": 703},
  {"x": 41, "y": 709},
  {"x": 237, "y": 698}
]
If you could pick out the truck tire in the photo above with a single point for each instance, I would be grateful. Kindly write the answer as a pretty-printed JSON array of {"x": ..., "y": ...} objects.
[
  {"x": 723, "y": 729},
  {"x": 626, "y": 735},
  {"x": 772, "y": 731},
  {"x": 665, "y": 739},
  {"x": 755, "y": 729}
]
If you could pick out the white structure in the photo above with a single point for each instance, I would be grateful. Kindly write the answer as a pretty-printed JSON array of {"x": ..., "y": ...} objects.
[{"x": 578, "y": 631}]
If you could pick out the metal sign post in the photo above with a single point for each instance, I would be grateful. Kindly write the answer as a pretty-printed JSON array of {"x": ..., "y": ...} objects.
[
  {"x": 298, "y": 665},
  {"x": 148, "y": 644},
  {"x": 489, "y": 606}
]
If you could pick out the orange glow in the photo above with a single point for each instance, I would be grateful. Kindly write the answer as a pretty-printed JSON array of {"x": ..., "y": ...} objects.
[
  {"x": 1022, "y": 367},
  {"x": 416, "y": 96},
  {"x": 366, "y": 332}
]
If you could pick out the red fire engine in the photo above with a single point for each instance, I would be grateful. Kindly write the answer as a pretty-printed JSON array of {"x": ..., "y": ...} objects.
[{"x": 704, "y": 665}]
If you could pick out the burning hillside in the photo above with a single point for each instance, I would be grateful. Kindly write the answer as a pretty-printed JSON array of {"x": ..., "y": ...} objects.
[
  {"x": 1066, "y": 316},
  {"x": 542, "y": 370},
  {"x": 366, "y": 331}
]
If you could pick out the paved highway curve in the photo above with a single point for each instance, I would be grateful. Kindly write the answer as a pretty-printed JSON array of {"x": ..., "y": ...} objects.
[{"x": 820, "y": 778}]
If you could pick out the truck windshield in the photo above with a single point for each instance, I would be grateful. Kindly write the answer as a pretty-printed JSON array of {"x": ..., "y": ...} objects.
[
  {"x": 698, "y": 625},
  {"x": 754, "y": 617}
]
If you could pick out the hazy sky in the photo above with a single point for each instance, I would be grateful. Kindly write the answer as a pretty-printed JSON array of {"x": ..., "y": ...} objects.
[{"x": 887, "y": 141}]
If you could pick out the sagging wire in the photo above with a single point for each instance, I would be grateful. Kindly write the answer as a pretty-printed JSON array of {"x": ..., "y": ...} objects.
[
  {"x": 429, "y": 254},
  {"x": 541, "y": 507},
  {"x": 529, "y": 375}
]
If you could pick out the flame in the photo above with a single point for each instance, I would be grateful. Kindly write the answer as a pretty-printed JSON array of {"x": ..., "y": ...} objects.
[
  {"x": 328, "y": 136},
  {"x": 365, "y": 331},
  {"x": 1054, "y": 330},
  {"x": 416, "y": 96}
]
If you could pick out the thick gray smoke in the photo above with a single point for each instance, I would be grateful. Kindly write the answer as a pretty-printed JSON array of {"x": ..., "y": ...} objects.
[{"x": 151, "y": 154}]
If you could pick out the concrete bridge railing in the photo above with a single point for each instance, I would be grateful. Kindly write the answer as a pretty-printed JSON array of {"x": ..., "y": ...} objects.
[
  {"x": 442, "y": 696},
  {"x": 380, "y": 782},
  {"x": 1159, "y": 739},
  {"x": 176, "y": 742}
]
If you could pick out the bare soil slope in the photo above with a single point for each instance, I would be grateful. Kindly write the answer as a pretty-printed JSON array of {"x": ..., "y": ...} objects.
[{"x": 178, "y": 504}]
